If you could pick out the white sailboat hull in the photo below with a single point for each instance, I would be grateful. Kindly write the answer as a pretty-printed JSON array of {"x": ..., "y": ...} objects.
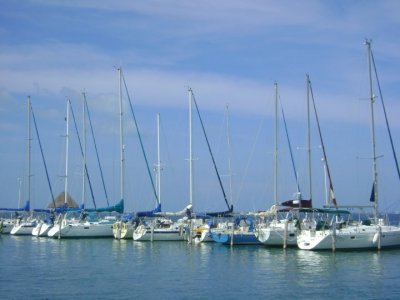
[
  {"x": 205, "y": 237},
  {"x": 41, "y": 229},
  {"x": 8, "y": 225},
  {"x": 123, "y": 230},
  {"x": 202, "y": 234},
  {"x": 274, "y": 234},
  {"x": 159, "y": 234},
  {"x": 351, "y": 237},
  {"x": 24, "y": 228},
  {"x": 82, "y": 230}
]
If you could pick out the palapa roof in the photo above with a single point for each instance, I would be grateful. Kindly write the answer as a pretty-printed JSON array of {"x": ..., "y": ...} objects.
[{"x": 60, "y": 201}]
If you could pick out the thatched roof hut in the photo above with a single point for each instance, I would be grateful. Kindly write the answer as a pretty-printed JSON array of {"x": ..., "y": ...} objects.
[{"x": 60, "y": 200}]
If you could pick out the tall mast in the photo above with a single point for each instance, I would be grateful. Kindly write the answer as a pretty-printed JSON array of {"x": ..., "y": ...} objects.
[
  {"x": 29, "y": 151},
  {"x": 309, "y": 137},
  {"x": 121, "y": 131},
  {"x": 190, "y": 150},
  {"x": 276, "y": 146},
  {"x": 158, "y": 160},
  {"x": 84, "y": 147},
  {"x": 228, "y": 136},
  {"x": 372, "y": 101},
  {"x": 19, "y": 191},
  {"x": 66, "y": 155}
]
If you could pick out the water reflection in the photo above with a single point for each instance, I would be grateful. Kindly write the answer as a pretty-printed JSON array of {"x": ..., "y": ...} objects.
[{"x": 178, "y": 270}]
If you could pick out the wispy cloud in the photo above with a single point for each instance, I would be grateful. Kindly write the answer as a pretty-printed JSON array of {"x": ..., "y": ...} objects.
[{"x": 226, "y": 51}]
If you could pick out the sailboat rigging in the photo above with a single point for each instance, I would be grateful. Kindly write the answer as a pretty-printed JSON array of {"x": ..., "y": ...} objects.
[
  {"x": 229, "y": 206},
  {"x": 25, "y": 226},
  {"x": 158, "y": 207},
  {"x": 351, "y": 234}
]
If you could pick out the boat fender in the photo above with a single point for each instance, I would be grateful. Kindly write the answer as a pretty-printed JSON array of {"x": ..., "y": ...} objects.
[{"x": 376, "y": 237}]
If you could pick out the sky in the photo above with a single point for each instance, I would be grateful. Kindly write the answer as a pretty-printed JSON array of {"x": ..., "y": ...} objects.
[{"x": 231, "y": 54}]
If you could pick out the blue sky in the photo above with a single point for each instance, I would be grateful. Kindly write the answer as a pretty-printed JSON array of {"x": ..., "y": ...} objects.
[{"x": 228, "y": 52}]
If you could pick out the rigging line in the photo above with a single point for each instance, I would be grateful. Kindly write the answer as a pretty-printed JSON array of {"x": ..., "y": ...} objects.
[
  {"x": 290, "y": 149},
  {"x": 95, "y": 147},
  {"x": 332, "y": 195},
  {"x": 44, "y": 161},
  {"x": 229, "y": 146},
  {"x": 230, "y": 208},
  {"x": 386, "y": 117},
  {"x": 250, "y": 158},
  {"x": 140, "y": 140},
  {"x": 80, "y": 145}
]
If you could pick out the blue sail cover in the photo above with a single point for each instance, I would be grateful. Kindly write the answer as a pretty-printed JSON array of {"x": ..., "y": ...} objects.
[
  {"x": 249, "y": 220},
  {"x": 151, "y": 213},
  {"x": 119, "y": 208},
  {"x": 25, "y": 208}
]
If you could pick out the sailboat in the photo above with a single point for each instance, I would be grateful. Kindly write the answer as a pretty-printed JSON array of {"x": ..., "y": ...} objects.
[
  {"x": 239, "y": 232},
  {"x": 9, "y": 221},
  {"x": 364, "y": 234},
  {"x": 232, "y": 231},
  {"x": 281, "y": 224},
  {"x": 61, "y": 221},
  {"x": 47, "y": 219},
  {"x": 160, "y": 226},
  {"x": 88, "y": 223},
  {"x": 122, "y": 229},
  {"x": 198, "y": 224},
  {"x": 24, "y": 226},
  {"x": 125, "y": 227}
]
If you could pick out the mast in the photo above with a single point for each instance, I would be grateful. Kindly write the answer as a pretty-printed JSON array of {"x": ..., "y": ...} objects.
[
  {"x": 66, "y": 155},
  {"x": 29, "y": 151},
  {"x": 228, "y": 137},
  {"x": 325, "y": 182},
  {"x": 158, "y": 160},
  {"x": 309, "y": 138},
  {"x": 19, "y": 191},
  {"x": 374, "y": 158},
  {"x": 276, "y": 147},
  {"x": 84, "y": 148},
  {"x": 122, "y": 146},
  {"x": 190, "y": 150}
]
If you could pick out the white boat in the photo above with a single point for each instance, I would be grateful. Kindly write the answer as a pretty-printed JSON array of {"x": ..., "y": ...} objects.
[
  {"x": 278, "y": 229},
  {"x": 161, "y": 229},
  {"x": 367, "y": 234},
  {"x": 83, "y": 229},
  {"x": 24, "y": 226},
  {"x": 237, "y": 232},
  {"x": 203, "y": 234},
  {"x": 278, "y": 232},
  {"x": 61, "y": 220},
  {"x": 124, "y": 229},
  {"x": 42, "y": 228},
  {"x": 350, "y": 235},
  {"x": 9, "y": 216},
  {"x": 88, "y": 224},
  {"x": 7, "y": 225},
  {"x": 198, "y": 229}
]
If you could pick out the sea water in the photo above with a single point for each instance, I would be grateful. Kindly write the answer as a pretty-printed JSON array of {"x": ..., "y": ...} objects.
[{"x": 43, "y": 268}]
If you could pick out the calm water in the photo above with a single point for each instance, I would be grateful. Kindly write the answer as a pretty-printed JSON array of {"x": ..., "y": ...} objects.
[{"x": 41, "y": 268}]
